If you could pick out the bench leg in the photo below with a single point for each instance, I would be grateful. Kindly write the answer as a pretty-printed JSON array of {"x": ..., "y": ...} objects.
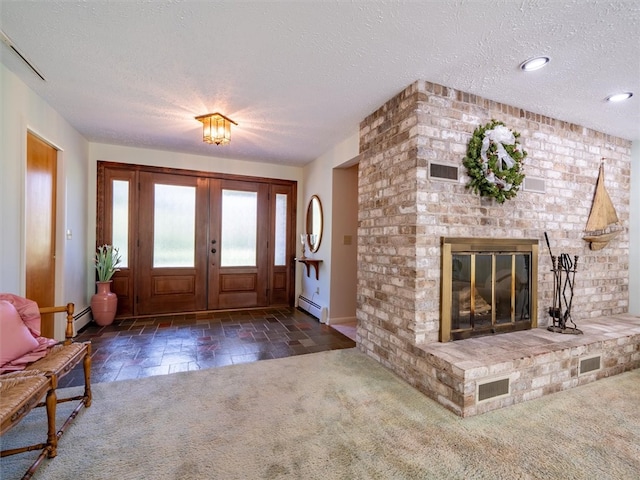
[
  {"x": 86, "y": 364},
  {"x": 51, "y": 403}
]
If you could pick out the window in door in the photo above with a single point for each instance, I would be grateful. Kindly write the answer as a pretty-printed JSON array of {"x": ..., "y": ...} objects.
[
  {"x": 239, "y": 229},
  {"x": 174, "y": 226},
  {"x": 120, "y": 223},
  {"x": 280, "y": 224}
]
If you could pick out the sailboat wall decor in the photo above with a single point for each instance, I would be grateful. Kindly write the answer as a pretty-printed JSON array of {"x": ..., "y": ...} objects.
[{"x": 603, "y": 224}]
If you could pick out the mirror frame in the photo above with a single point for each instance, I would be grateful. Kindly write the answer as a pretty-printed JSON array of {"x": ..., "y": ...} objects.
[{"x": 314, "y": 208}]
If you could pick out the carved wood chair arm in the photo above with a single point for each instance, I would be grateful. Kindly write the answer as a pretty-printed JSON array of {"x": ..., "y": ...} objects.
[{"x": 68, "y": 308}]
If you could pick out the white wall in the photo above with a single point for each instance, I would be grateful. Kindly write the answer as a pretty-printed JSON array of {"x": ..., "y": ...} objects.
[
  {"x": 344, "y": 245},
  {"x": 21, "y": 111},
  {"x": 634, "y": 231},
  {"x": 318, "y": 180}
]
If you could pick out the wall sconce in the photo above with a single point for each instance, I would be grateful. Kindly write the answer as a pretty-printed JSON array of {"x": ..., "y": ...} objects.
[{"x": 216, "y": 128}]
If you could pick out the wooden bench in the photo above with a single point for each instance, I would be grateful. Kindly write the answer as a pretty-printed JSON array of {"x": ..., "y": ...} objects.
[{"x": 21, "y": 391}]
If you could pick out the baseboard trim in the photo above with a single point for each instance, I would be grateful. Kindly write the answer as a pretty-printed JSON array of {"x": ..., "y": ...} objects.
[{"x": 338, "y": 320}]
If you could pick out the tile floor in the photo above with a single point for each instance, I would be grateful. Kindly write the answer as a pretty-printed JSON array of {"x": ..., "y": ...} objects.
[{"x": 142, "y": 347}]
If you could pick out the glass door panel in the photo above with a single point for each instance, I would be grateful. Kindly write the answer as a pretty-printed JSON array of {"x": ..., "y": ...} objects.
[
  {"x": 239, "y": 229},
  {"x": 522, "y": 269},
  {"x": 280, "y": 227},
  {"x": 120, "y": 223},
  {"x": 503, "y": 288},
  {"x": 461, "y": 293},
  {"x": 482, "y": 299},
  {"x": 174, "y": 231}
]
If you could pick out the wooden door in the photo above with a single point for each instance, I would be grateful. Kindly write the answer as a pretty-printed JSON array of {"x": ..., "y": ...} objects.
[
  {"x": 238, "y": 244},
  {"x": 172, "y": 241},
  {"x": 40, "y": 222},
  {"x": 282, "y": 244}
]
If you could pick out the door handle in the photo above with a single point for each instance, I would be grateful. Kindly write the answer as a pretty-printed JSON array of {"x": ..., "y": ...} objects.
[{"x": 213, "y": 242}]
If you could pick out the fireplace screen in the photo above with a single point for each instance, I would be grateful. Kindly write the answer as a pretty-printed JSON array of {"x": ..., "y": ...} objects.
[{"x": 488, "y": 287}]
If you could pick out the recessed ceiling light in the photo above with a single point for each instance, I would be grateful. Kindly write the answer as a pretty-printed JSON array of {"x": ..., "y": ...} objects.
[
  {"x": 534, "y": 63},
  {"x": 618, "y": 97}
]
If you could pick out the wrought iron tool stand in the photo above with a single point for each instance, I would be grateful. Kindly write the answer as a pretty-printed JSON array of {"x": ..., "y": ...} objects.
[{"x": 564, "y": 275}]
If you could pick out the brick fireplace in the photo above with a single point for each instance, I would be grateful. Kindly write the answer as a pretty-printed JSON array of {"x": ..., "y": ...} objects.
[{"x": 411, "y": 189}]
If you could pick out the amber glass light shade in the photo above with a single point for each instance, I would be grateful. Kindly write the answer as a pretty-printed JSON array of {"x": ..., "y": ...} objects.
[{"x": 216, "y": 128}]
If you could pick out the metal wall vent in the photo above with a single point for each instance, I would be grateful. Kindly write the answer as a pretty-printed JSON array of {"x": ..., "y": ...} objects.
[
  {"x": 4, "y": 38},
  {"x": 493, "y": 389},
  {"x": 441, "y": 171},
  {"x": 534, "y": 184},
  {"x": 589, "y": 365}
]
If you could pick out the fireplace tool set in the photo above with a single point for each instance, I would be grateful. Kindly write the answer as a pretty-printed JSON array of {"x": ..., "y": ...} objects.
[{"x": 564, "y": 275}]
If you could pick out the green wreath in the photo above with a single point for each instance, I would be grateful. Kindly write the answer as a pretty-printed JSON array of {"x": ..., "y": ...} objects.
[{"x": 494, "y": 159}]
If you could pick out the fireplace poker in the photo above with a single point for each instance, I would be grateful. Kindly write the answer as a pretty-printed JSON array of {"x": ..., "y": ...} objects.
[
  {"x": 555, "y": 311},
  {"x": 548, "y": 246}
]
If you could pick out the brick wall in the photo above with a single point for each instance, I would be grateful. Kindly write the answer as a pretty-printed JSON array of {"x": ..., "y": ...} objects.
[{"x": 403, "y": 214}]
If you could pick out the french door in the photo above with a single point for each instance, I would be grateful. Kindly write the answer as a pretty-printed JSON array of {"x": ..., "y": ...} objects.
[
  {"x": 172, "y": 249},
  {"x": 197, "y": 241},
  {"x": 238, "y": 227}
]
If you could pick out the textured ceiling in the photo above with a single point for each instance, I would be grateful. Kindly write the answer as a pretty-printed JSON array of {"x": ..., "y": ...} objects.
[{"x": 299, "y": 76}]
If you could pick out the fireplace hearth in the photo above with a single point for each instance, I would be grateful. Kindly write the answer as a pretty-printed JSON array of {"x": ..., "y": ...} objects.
[{"x": 488, "y": 286}]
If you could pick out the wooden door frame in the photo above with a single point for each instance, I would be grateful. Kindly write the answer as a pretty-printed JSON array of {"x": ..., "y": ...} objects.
[{"x": 103, "y": 234}]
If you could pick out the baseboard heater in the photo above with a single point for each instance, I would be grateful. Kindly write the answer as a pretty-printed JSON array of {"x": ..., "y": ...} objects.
[
  {"x": 312, "y": 308},
  {"x": 81, "y": 319},
  {"x": 82, "y": 313}
]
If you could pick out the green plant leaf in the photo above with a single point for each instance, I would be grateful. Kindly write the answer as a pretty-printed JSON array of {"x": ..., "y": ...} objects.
[{"x": 107, "y": 258}]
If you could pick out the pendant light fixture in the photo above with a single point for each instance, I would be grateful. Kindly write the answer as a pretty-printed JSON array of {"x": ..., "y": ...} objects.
[{"x": 216, "y": 128}]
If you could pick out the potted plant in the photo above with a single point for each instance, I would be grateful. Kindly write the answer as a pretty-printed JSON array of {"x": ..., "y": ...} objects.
[{"x": 105, "y": 303}]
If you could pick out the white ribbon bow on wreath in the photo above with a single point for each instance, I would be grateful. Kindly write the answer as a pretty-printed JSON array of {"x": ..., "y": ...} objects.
[{"x": 500, "y": 136}]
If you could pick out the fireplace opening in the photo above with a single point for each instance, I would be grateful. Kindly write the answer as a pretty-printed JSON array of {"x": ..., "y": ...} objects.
[{"x": 488, "y": 286}]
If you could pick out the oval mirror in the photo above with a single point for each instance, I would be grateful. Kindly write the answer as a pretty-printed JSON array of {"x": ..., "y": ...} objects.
[{"x": 314, "y": 223}]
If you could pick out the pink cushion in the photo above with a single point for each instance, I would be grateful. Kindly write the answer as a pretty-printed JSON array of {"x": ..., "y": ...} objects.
[
  {"x": 15, "y": 337},
  {"x": 27, "y": 309}
]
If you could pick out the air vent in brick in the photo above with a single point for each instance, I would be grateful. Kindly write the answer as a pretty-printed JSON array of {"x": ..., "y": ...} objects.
[{"x": 443, "y": 172}]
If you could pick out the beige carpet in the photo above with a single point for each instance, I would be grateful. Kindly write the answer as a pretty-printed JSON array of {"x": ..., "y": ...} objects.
[{"x": 336, "y": 415}]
